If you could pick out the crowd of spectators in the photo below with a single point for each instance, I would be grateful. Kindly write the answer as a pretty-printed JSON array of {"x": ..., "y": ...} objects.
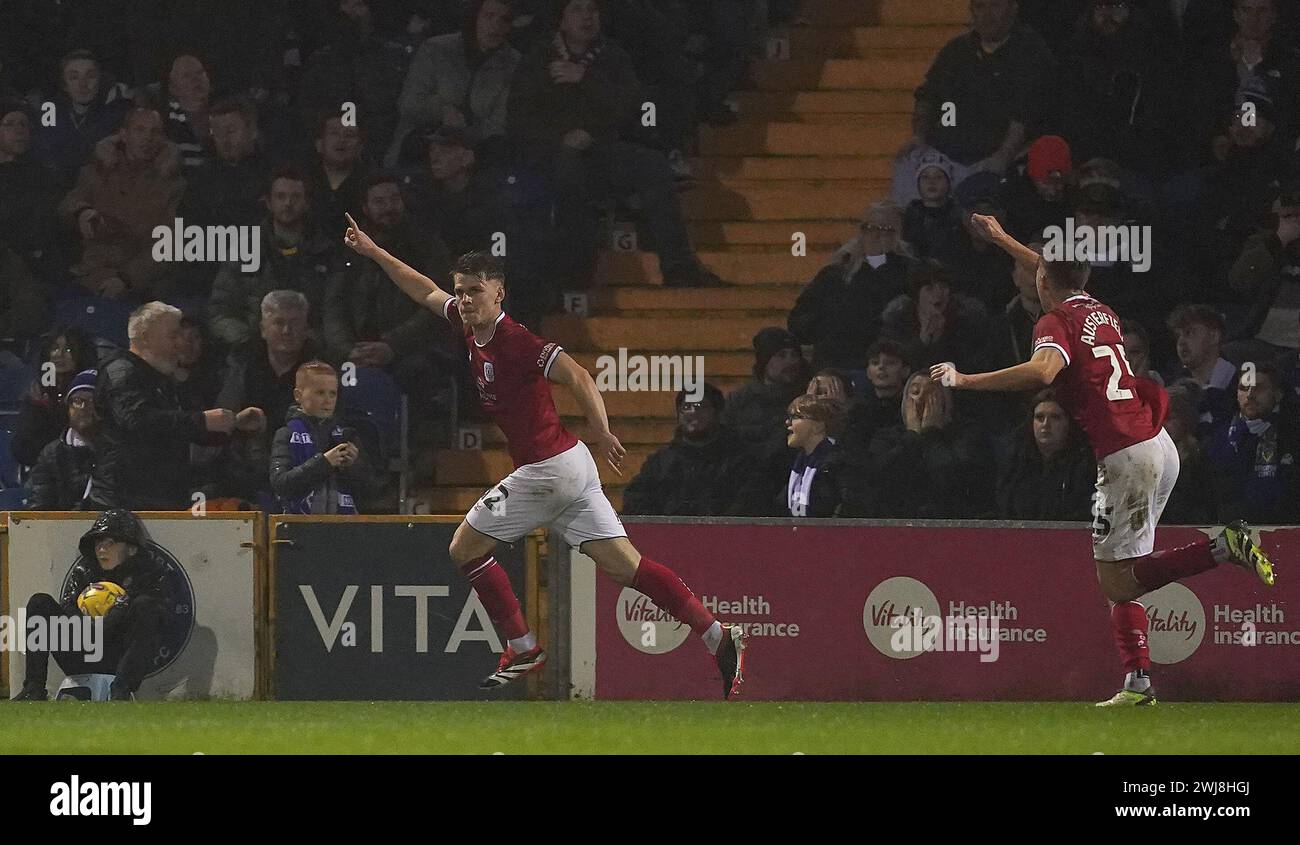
[
  {"x": 443, "y": 127},
  {"x": 1177, "y": 116}
]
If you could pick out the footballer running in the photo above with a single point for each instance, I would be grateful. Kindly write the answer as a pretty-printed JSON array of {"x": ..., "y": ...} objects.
[
  {"x": 1078, "y": 346},
  {"x": 555, "y": 481}
]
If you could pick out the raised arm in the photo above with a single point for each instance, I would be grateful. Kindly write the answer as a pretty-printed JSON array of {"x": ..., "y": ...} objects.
[
  {"x": 413, "y": 283},
  {"x": 992, "y": 231},
  {"x": 574, "y": 376},
  {"x": 1038, "y": 371}
]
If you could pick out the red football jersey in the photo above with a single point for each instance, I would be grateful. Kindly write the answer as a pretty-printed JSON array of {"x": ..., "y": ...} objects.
[
  {"x": 510, "y": 371},
  {"x": 1097, "y": 387}
]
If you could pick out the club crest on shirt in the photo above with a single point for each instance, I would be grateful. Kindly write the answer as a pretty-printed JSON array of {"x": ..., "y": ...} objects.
[{"x": 488, "y": 373}]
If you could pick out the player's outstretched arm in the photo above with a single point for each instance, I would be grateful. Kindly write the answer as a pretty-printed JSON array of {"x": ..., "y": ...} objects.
[
  {"x": 574, "y": 376},
  {"x": 991, "y": 230},
  {"x": 1038, "y": 371},
  {"x": 412, "y": 282}
]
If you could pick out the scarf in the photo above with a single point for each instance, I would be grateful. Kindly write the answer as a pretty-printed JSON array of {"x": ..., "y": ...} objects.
[
  {"x": 303, "y": 448},
  {"x": 801, "y": 476}
]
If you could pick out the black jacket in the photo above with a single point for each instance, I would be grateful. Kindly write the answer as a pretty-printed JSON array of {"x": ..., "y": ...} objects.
[
  {"x": 688, "y": 479},
  {"x": 144, "y": 573},
  {"x": 293, "y": 481},
  {"x": 1058, "y": 489},
  {"x": 59, "y": 478},
  {"x": 841, "y": 317},
  {"x": 940, "y": 474},
  {"x": 144, "y": 444}
]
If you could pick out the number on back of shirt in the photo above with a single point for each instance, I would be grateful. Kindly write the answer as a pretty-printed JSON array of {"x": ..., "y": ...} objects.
[{"x": 1113, "y": 391}]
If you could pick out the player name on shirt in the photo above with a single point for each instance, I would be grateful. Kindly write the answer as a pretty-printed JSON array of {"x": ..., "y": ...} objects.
[{"x": 1113, "y": 407}]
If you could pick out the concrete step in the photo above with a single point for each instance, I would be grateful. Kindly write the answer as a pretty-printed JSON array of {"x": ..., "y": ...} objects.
[
  {"x": 601, "y": 334},
  {"x": 456, "y": 501},
  {"x": 731, "y": 234},
  {"x": 910, "y": 13},
  {"x": 802, "y": 139},
  {"x": 748, "y": 298},
  {"x": 725, "y": 169},
  {"x": 794, "y": 204},
  {"x": 737, "y": 268},
  {"x": 881, "y": 74},
  {"x": 859, "y": 101},
  {"x": 920, "y": 42}
]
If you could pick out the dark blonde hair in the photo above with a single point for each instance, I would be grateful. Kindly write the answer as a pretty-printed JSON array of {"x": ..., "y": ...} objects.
[{"x": 823, "y": 409}]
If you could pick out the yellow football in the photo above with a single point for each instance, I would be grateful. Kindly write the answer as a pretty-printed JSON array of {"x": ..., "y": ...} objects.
[{"x": 98, "y": 598}]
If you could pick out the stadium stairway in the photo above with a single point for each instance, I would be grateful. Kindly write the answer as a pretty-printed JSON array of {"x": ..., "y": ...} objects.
[{"x": 812, "y": 149}]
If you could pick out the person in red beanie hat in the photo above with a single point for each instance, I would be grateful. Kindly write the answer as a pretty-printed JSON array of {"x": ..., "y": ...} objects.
[{"x": 1040, "y": 197}]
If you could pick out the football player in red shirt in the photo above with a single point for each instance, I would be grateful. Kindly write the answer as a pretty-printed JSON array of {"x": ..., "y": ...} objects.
[
  {"x": 1078, "y": 347},
  {"x": 555, "y": 481}
]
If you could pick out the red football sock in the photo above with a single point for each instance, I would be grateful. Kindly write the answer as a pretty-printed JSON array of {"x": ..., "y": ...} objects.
[
  {"x": 1163, "y": 567},
  {"x": 667, "y": 591},
  {"x": 1128, "y": 621},
  {"x": 492, "y": 584}
]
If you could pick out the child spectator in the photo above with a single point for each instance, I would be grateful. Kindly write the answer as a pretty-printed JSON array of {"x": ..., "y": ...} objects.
[
  {"x": 62, "y": 473},
  {"x": 932, "y": 223},
  {"x": 316, "y": 464}
]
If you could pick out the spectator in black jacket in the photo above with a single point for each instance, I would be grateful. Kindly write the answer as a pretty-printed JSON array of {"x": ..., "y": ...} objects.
[
  {"x": 881, "y": 407},
  {"x": 839, "y": 312},
  {"x": 570, "y": 101},
  {"x": 755, "y": 410},
  {"x": 338, "y": 174},
  {"x": 822, "y": 482},
  {"x": 295, "y": 256},
  {"x": 30, "y": 191},
  {"x": 997, "y": 76},
  {"x": 317, "y": 464},
  {"x": 42, "y": 416},
  {"x": 932, "y": 466},
  {"x": 932, "y": 321},
  {"x": 113, "y": 550},
  {"x": 229, "y": 189},
  {"x": 62, "y": 473},
  {"x": 144, "y": 447},
  {"x": 1050, "y": 473},
  {"x": 698, "y": 473}
]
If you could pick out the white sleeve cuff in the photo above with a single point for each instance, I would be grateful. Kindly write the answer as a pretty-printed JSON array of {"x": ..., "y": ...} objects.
[
  {"x": 1058, "y": 347},
  {"x": 550, "y": 359}
]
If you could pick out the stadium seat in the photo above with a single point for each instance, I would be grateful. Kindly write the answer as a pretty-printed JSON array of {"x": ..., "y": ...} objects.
[
  {"x": 9, "y": 467},
  {"x": 103, "y": 318},
  {"x": 374, "y": 400},
  {"x": 15, "y": 499}
]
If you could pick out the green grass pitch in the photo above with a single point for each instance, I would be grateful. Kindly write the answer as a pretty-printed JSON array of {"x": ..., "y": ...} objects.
[{"x": 647, "y": 728}]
